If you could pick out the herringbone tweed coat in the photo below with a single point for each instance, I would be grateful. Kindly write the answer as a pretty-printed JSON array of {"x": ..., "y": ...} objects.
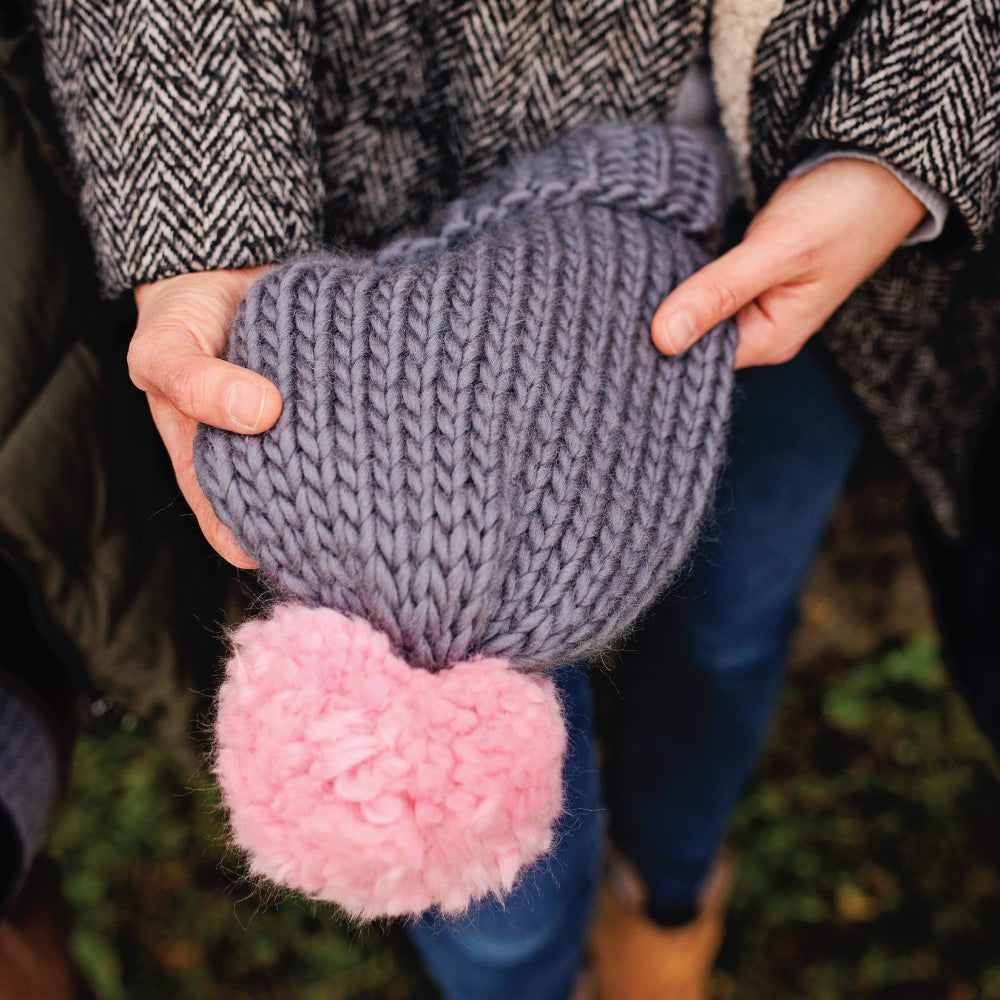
[{"x": 223, "y": 133}]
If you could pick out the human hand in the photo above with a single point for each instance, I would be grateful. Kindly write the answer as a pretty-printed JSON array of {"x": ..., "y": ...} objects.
[
  {"x": 174, "y": 357},
  {"x": 809, "y": 247}
]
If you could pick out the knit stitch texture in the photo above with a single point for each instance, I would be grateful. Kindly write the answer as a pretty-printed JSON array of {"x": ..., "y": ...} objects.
[
  {"x": 482, "y": 463},
  {"x": 480, "y": 450}
]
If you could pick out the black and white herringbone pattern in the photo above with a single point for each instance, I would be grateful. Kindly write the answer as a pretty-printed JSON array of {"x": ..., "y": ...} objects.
[
  {"x": 191, "y": 124},
  {"x": 474, "y": 85},
  {"x": 212, "y": 134},
  {"x": 918, "y": 84}
]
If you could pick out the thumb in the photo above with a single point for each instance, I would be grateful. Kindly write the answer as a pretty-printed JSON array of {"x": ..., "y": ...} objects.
[
  {"x": 168, "y": 362},
  {"x": 712, "y": 294}
]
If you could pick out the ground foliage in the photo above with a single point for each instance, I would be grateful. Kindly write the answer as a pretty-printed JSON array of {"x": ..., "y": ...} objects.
[
  {"x": 868, "y": 850},
  {"x": 869, "y": 846}
]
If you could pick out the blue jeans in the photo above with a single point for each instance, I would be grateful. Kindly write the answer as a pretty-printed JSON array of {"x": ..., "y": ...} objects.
[
  {"x": 530, "y": 945},
  {"x": 698, "y": 685}
]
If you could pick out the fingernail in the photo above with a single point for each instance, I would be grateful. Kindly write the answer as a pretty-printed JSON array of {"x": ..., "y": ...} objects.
[
  {"x": 677, "y": 332},
  {"x": 245, "y": 403}
]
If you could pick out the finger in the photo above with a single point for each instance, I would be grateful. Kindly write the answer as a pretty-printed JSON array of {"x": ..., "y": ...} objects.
[
  {"x": 713, "y": 293},
  {"x": 216, "y": 533},
  {"x": 203, "y": 388},
  {"x": 177, "y": 432}
]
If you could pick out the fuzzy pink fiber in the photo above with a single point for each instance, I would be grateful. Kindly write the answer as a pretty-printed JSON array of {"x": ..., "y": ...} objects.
[{"x": 356, "y": 779}]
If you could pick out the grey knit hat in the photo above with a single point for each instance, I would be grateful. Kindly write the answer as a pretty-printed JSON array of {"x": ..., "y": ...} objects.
[{"x": 482, "y": 463}]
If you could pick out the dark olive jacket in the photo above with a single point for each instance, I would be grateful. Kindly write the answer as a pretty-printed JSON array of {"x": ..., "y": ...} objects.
[{"x": 92, "y": 530}]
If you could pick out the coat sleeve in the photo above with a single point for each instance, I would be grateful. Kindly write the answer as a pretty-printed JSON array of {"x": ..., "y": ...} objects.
[
  {"x": 191, "y": 127},
  {"x": 915, "y": 82}
]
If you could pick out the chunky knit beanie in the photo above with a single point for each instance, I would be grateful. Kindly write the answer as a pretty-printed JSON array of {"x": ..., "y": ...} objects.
[{"x": 483, "y": 470}]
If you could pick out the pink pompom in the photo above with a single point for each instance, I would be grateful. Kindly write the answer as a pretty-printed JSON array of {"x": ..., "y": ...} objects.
[{"x": 357, "y": 779}]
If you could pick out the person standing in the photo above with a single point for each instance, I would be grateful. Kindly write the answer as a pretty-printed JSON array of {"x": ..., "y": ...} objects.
[{"x": 210, "y": 139}]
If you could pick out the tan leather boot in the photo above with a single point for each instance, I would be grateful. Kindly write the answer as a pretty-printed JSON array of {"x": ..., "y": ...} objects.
[{"x": 634, "y": 958}]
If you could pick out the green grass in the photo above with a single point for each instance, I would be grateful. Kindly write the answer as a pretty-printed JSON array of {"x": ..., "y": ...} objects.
[{"x": 868, "y": 865}]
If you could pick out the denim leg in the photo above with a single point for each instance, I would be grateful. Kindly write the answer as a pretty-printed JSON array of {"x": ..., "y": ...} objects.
[
  {"x": 701, "y": 678},
  {"x": 530, "y": 945}
]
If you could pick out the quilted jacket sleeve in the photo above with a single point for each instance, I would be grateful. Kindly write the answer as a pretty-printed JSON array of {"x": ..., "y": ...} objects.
[
  {"x": 191, "y": 127},
  {"x": 916, "y": 82}
]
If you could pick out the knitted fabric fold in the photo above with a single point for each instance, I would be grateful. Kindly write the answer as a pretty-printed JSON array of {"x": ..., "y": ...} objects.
[{"x": 481, "y": 459}]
